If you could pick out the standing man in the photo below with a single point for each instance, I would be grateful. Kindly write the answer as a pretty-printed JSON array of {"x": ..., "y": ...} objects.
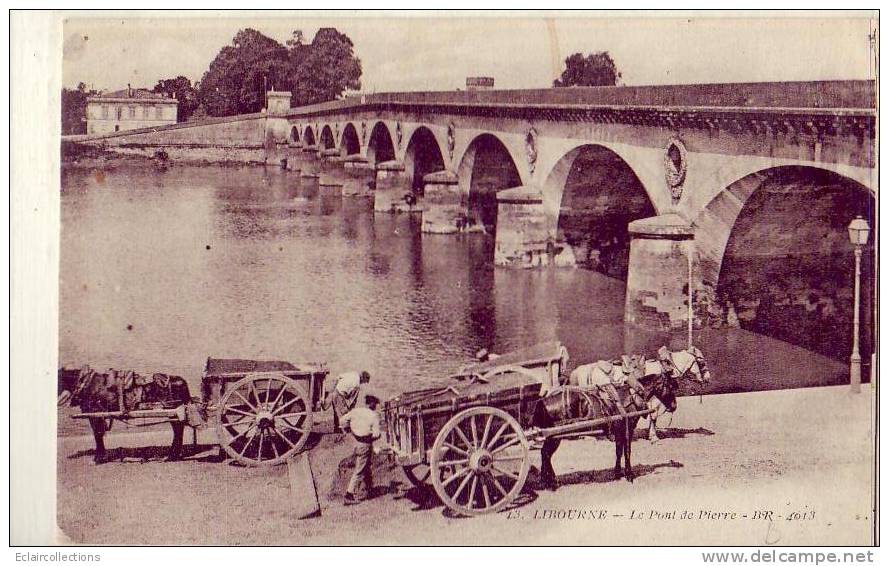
[
  {"x": 364, "y": 424},
  {"x": 344, "y": 396}
]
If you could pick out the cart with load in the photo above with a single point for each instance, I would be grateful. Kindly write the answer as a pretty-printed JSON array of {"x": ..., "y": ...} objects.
[
  {"x": 471, "y": 439},
  {"x": 262, "y": 410}
]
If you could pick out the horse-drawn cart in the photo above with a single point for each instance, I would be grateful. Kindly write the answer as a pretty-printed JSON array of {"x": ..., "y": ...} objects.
[
  {"x": 263, "y": 410},
  {"x": 471, "y": 440}
]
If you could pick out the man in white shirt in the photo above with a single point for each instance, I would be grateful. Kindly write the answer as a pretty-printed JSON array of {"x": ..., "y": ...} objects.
[
  {"x": 344, "y": 395},
  {"x": 364, "y": 424}
]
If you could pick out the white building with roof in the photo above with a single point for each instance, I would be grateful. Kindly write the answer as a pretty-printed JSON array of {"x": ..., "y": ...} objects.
[{"x": 129, "y": 109}]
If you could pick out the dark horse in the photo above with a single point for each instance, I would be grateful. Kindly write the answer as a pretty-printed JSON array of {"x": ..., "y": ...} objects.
[
  {"x": 588, "y": 403},
  {"x": 108, "y": 392}
]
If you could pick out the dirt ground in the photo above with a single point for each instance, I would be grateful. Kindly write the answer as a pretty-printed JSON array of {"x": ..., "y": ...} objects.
[{"x": 725, "y": 461}]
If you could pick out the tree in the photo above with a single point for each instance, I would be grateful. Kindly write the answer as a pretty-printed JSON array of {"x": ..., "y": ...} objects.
[
  {"x": 237, "y": 78},
  {"x": 596, "y": 69},
  {"x": 181, "y": 89},
  {"x": 326, "y": 69},
  {"x": 74, "y": 110}
]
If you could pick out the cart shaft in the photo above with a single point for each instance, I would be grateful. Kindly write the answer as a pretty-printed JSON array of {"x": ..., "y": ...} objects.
[
  {"x": 590, "y": 424},
  {"x": 178, "y": 414}
]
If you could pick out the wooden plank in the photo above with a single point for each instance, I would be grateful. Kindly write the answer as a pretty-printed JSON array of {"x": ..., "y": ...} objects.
[{"x": 303, "y": 492}]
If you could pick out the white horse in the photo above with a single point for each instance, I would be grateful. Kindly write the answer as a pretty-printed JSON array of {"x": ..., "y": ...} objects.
[{"x": 682, "y": 364}]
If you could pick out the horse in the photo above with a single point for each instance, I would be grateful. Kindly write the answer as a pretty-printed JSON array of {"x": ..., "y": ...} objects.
[
  {"x": 107, "y": 392},
  {"x": 583, "y": 402},
  {"x": 682, "y": 364}
]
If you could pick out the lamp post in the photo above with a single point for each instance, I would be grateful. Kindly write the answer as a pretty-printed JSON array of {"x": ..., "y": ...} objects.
[{"x": 858, "y": 234}]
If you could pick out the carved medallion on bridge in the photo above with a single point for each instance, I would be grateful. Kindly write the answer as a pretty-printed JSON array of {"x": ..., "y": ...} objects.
[
  {"x": 452, "y": 139},
  {"x": 675, "y": 166},
  {"x": 398, "y": 134},
  {"x": 531, "y": 148},
  {"x": 363, "y": 133}
]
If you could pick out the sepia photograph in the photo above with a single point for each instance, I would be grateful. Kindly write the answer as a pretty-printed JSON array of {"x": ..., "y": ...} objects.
[{"x": 466, "y": 278}]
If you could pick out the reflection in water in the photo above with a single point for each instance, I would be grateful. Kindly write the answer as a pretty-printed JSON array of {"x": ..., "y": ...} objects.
[{"x": 162, "y": 269}]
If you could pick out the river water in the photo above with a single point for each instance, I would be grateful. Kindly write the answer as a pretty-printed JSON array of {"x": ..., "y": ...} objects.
[{"x": 160, "y": 269}]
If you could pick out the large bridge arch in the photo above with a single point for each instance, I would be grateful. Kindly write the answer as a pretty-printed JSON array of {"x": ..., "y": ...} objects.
[
  {"x": 350, "y": 143},
  {"x": 774, "y": 257},
  {"x": 309, "y": 136},
  {"x": 423, "y": 155},
  {"x": 380, "y": 147},
  {"x": 486, "y": 167},
  {"x": 294, "y": 134},
  {"x": 326, "y": 138},
  {"x": 597, "y": 195}
]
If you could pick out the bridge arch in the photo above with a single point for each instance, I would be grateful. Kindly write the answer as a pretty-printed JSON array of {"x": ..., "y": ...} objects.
[
  {"x": 309, "y": 136},
  {"x": 486, "y": 168},
  {"x": 599, "y": 194},
  {"x": 379, "y": 146},
  {"x": 422, "y": 156},
  {"x": 350, "y": 144},
  {"x": 294, "y": 134},
  {"x": 775, "y": 257},
  {"x": 327, "y": 140}
]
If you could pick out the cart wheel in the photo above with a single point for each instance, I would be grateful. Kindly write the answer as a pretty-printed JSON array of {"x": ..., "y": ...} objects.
[
  {"x": 479, "y": 461},
  {"x": 418, "y": 475},
  {"x": 264, "y": 419}
]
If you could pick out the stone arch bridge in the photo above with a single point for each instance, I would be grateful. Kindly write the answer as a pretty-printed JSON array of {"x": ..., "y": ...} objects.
[{"x": 742, "y": 191}]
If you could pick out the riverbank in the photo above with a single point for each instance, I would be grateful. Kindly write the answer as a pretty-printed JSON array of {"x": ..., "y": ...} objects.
[
  {"x": 806, "y": 455},
  {"x": 79, "y": 155}
]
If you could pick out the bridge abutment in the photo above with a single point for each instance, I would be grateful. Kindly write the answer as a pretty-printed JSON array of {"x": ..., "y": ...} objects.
[
  {"x": 445, "y": 205},
  {"x": 661, "y": 253}
]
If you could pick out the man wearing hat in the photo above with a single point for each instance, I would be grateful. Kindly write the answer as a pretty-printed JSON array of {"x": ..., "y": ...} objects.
[
  {"x": 364, "y": 424},
  {"x": 344, "y": 395}
]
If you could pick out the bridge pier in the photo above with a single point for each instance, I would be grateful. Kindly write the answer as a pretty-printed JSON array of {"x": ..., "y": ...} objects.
[
  {"x": 522, "y": 238},
  {"x": 293, "y": 154},
  {"x": 308, "y": 184},
  {"x": 445, "y": 207},
  {"x": 392, "y": 184},
  {"x": 658, "y": 272},
  {"x": 359, "y": 176},
  {"x": 305, "y": 159},
  {"x": 332, "y": 167}
]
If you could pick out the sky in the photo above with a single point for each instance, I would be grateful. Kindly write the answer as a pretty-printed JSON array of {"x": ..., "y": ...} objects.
[{"x": 424, "y": 53}]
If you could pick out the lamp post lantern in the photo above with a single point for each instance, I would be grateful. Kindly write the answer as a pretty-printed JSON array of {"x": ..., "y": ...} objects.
[{"x": 859, "y": 231}]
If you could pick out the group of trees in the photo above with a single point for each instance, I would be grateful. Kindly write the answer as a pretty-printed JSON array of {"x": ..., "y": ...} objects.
[{"x": 242, "y": 72}]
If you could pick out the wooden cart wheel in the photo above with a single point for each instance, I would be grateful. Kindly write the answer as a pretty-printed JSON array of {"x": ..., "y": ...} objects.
[
  {"x": 418, "y": 475},
  {"x": 264, "y": 419},
  {"x": 479, "y": 461}
]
